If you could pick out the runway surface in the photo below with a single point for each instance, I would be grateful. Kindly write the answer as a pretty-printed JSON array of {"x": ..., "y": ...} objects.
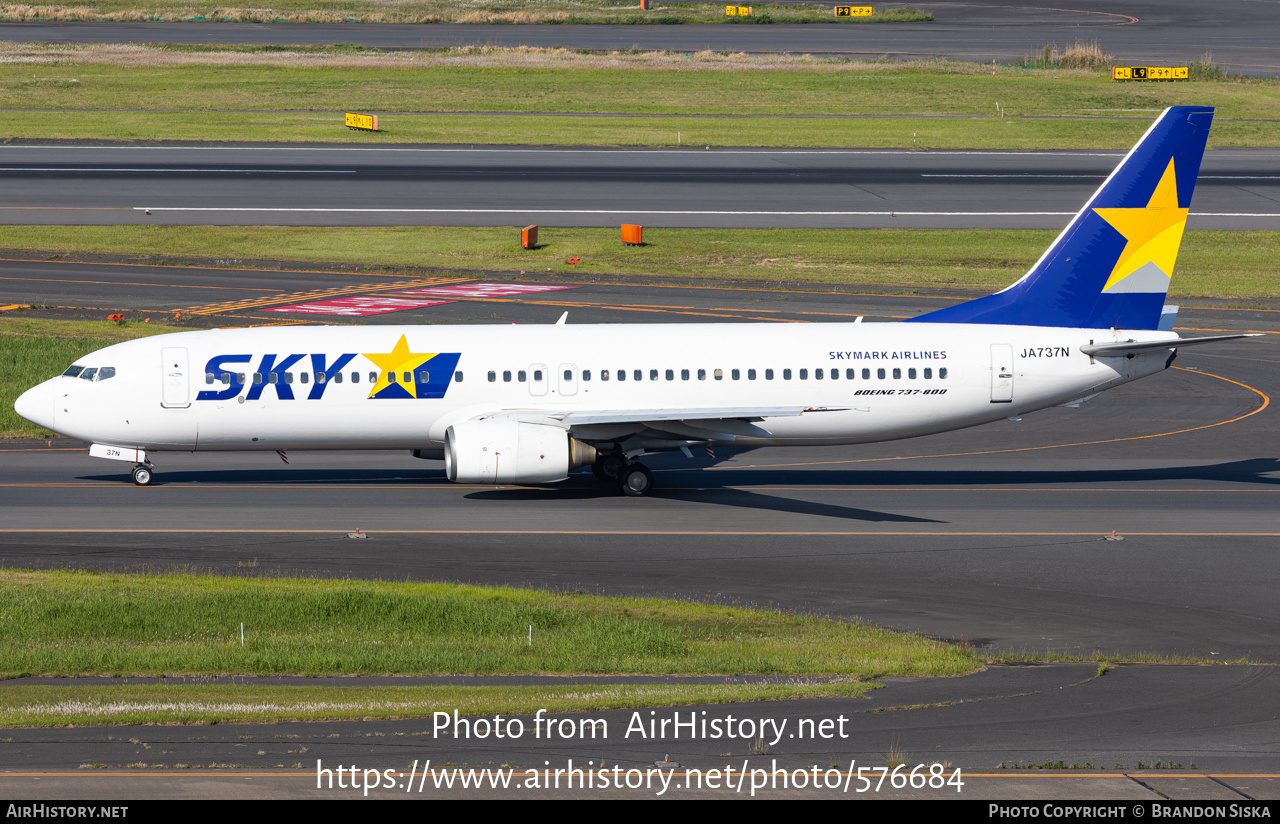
[
  {"x": 994, "y": 536},
  {"x": 1239, "y": 33},
  {"x": 583, "y": 186}
]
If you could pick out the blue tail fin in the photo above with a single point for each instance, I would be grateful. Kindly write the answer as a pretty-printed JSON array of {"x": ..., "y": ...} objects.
[{"x": 1110, "y": 267}]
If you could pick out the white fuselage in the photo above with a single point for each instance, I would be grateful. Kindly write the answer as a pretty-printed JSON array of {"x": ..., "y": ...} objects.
[{"x": 906, "y": 380}]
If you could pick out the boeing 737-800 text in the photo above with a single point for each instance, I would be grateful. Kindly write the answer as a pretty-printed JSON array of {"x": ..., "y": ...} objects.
[{"x": 528, "y": 404}]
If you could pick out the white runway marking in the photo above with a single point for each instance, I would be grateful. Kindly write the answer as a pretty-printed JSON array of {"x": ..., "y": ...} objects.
[
  {"x": 160, "y": 169},
  {"x": 1036, "y": 176}
]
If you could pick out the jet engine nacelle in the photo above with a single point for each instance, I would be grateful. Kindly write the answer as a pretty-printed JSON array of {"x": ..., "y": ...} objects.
[{"x": 500, "y": 450}]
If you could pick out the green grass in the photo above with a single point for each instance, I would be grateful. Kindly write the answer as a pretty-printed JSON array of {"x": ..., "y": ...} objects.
[
  {"x": 443, "y": 11},
  {"x": 895, "y": 132},
  {"x": 300, "y": 94},
  {"x": 48, "y": 706},
  {"x": 33, "y": 350},
  {"x": 1210, "y": 264},
  {"x": 78, "y": 623}
]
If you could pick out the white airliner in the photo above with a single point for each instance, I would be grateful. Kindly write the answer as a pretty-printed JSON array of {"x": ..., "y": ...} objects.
[{"x": 508, "y": 404}]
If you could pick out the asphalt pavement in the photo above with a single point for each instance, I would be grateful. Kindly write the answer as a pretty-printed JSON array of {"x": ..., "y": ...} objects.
[
  {"x": 1239, "y": 34},
  {"x": 315, "y": 185}
]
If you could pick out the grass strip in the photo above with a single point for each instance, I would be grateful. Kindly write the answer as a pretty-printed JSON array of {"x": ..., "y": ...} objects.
[
  {"x": 51, "y": 706},
  {"x": 195, "y": 93},
  {"x": 442, "y": 11},
  {"x": 1221, "y": 264},
  {"x": 548, "y": 130},
  {"x": 79, "y": 623}
]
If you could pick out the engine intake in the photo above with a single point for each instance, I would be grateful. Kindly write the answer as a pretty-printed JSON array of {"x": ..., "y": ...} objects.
[{"x": 501, "y": 451}]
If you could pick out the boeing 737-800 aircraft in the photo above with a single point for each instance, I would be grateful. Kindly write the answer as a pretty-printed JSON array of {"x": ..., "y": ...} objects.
[{"x": 528, "y": 404}]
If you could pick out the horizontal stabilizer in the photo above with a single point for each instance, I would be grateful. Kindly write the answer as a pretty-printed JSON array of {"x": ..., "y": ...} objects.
[{"x": 1114, "y": 350}]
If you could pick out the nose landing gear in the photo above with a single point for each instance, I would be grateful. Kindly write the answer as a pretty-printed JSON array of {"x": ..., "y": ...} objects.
[{"x": 142, "y": 475}]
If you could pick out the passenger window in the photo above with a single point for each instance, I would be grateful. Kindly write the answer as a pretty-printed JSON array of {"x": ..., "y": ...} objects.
[
  {"x": 87, "y": 375},
  {"x": 288, "y": 377},
  {"x": 604, "y": 374},
  {"x": 817, "y": 374},
  {"x": 568, "y": 374},
  {"x": 835, "y": 374},
  {"x": 493, "y": 376},
  {"x": 208, "y": 377},
  {"x": 702, "y": 374},
  {"x": 928, "y": 374},
  {"x": 320, "y": 377},
  {"x": 786, "y": 374},
  {"x": 226, "y": 378},
  {"x": 424, "y": 376},
  {"x": 653, "y": 374},
  {"x": 719, "y": 374},
  {"x": 622, "y": 374},
  {"x": 355, "y": 377},
  {"x": 751, "y": 374},
  {"x": 373, "y": 377},
  {"x": 768, "y": 374},
  {"x": 911, "y": 373},
  {"x": 72, "y": 371},
  {"x": 942, "y": 373},
  {"x": 304, "y": 376},
  {"x": 521, "y": 376},
  {"x": 684, "y": 374},
  {"x": 897, "y": 374},
  {"x": 671, "y": 374},
  {"x": 586, "y": 374},
  {"x": 337, "y": 377},
  {"x": 257, "y": 377},
  {"x": 506, "y": 376},
  {"x": 637, "y": 374},
  {"x": 866, "y": 374},
  {"x": 735, "y": 374},
  {"x": 408, "y": 377},
  {"x": 804, "y": 374},
  {"x": 880, "y": 374},
  {"x": 391, "y": 377},
  {"x": 273, "y": 377},
  {"x": 457, "y": 376},
  {"x": 851, "y": 373},
  {"x": 537, "y": 374}
]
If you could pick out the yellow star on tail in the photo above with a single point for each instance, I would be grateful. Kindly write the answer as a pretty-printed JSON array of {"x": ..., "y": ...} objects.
[
  {"x": 1153, "y": 232},
  {"x": 399, "y": 360}
]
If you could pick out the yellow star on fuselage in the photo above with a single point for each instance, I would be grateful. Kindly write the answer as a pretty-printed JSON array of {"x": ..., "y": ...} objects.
[
  {"x": 399, "y": 361},
  {"x": 1153, "y": 232}
]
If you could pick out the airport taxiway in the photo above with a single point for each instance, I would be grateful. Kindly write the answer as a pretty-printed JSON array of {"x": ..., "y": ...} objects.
[
  {"x": 1238, "y": 33},
  {"x": 325, "y": 185}
]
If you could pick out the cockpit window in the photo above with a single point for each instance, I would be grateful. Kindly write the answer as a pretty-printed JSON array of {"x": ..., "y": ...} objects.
[{"x": 92, "y": 373}]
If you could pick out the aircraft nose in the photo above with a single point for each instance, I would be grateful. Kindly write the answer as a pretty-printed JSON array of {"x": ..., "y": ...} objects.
[{"x": 36, "y": 405}]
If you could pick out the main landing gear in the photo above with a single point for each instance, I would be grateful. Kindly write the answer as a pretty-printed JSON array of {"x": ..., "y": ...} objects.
[
  {"x": 634, "y": 479},
  {"x": 142, "y": 475}
]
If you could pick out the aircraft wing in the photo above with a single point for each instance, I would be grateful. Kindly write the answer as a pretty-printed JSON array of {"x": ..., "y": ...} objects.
[
  {"x": 740, "y": 413},
  {"x": 724, "y": 423},
  {"x": 1112, "y": 350}
]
